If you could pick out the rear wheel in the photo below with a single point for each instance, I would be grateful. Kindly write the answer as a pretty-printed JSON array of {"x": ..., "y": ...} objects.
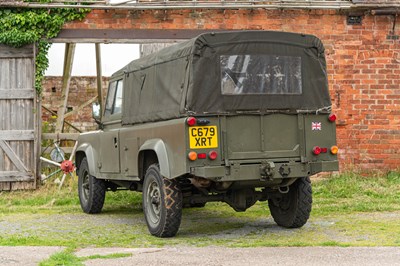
[
  {"x": 92, "y": 191},
  {"x": 162, "y": 203},
  {"x": 293, "y": 209}
]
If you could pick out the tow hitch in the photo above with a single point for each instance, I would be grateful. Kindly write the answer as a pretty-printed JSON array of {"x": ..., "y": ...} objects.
[{"x": 267, "y": 170}]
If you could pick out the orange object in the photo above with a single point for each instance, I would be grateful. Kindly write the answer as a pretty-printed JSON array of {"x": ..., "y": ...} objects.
[
  {"x": 192, "y": 156},
  {"x": 334, "y": 149}
]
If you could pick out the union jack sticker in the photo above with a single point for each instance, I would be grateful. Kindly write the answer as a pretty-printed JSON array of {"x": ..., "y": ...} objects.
[{"x": 316, "y": 126}]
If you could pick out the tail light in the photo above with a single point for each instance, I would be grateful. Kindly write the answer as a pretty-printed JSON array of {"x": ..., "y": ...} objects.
[
  {"x": 191, "y": 121},
  {"x": 332, "y": 117},
  {"x": 334, "y": 149},
  {"x": 212, "y": 155},
  {"x": 193, "y": 156},
  {"x": 317, "y": 150},
  {"x": 202, "y": 156}
]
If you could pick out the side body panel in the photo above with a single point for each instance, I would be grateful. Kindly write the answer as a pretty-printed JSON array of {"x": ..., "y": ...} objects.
[
  {"x": 166, "y": 139},
  {"x": 109, "y": 161},
  {"x": 88, "y": 146}
]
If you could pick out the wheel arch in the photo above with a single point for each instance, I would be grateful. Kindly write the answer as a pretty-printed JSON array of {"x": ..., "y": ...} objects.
[
  {"x": 86, "y": 150},
  {"x": 154, "y": 151}
]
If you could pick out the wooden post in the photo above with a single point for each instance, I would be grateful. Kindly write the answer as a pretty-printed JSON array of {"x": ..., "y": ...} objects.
[
  {"x": 99, "y": 78},
  {"x": 68, "y": 62}
]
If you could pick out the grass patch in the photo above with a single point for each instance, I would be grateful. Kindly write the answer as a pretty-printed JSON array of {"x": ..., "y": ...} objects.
[
  {"x": 67, "y": 257},
  {"x": 49, "y": 199},
  {"x": 355, "y": 193}
]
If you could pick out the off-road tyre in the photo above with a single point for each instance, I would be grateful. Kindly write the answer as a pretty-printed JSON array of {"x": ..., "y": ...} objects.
[
  {"x": 92, "y": 191},
  {"x": 292, "y": 210},
  {"x": 162, "y": 203}
]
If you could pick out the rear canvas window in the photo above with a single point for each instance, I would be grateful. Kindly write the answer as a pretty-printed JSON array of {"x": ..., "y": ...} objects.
[{"x": 260, "y": 74}]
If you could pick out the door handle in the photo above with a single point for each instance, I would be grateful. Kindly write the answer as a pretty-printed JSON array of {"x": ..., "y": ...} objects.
[{"x": 115, "y": 142}]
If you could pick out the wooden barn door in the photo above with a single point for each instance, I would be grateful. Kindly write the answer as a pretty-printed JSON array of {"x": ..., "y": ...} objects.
[{"x": 18, "y": 119}]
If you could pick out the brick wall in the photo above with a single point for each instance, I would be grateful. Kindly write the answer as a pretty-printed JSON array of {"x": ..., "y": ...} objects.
[
  {"x": 363, "y": 67},
  {"x": 81, "y": 90}
]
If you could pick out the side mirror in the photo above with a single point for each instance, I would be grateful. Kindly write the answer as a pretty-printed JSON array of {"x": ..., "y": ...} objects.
[{"x": 96, "y": 112}]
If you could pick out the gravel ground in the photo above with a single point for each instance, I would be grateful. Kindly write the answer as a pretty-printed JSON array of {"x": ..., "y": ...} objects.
[
  {"x": 27, "y": 256},
  {"x": 358, "y": 229},
  {"x": 255, "y": 256},
  {"x": 110, "y": 229}
]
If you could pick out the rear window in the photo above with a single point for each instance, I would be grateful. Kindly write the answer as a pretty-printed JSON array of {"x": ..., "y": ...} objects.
[{"x": 260, "y": 74}]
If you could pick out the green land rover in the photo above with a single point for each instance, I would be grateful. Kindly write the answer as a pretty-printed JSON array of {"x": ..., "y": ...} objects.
[{"x": 237, "y": 117}]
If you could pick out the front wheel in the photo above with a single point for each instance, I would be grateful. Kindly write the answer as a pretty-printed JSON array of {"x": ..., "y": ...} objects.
[
  {"x": 92, "y": 191},
  {"x": 293, "y": 209},
  {"x": 162, "y": 203}
]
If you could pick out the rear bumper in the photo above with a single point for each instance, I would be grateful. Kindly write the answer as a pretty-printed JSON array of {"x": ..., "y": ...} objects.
[
  {"x": 329, "y": 166},
  {"x": 266, "y": 171}
]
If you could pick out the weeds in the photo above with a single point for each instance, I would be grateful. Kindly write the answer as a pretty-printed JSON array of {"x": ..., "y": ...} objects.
[
  {"x": 351, "y": 192},
  {"x": 67, "y": 257}
]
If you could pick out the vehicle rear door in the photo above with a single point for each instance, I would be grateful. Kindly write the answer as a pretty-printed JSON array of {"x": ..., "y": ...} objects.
[{"x": 262, "y": 136}]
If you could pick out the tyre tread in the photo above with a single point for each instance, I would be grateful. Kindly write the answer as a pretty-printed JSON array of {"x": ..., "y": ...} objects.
[
  {"x": 173, "y": 202},
  {"x": 173, "y": 198},
  {"x": 301, "y": 208},
  {"x": 99, "y": 188},
  {"x": 97, "y": 192},
  {"x": 304, "y": 203}
]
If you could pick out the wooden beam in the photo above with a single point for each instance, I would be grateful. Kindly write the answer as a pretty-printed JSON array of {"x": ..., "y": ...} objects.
[
  {"x": 17, "y": 94},
  {"x": 60, "y": 136},
  {"x": 11, "y": 176},
  {"x": 65, "y": 149},
  {"x": 11, "y": 52},
  {"x": 17, "y": 135},
  {"x": 99, "y": 79},
  {"x": 80, "y": 107},
  {"x": 12, "y": 156},
  {"x": 126, "y": 35},
  {"x": 68, "y": 62},
  {"x": 66, "y": 122}
]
